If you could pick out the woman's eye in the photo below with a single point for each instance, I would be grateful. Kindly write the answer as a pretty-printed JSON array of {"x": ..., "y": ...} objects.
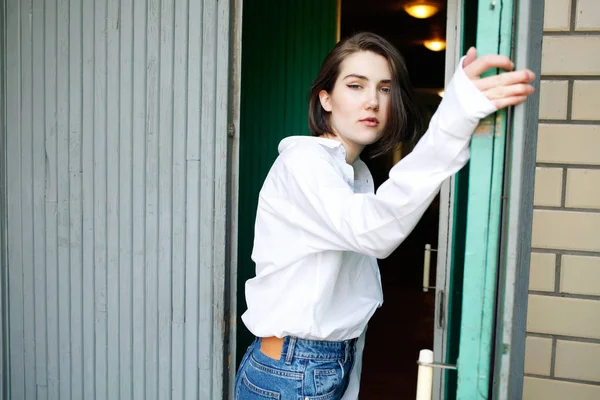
[
  {"x": 385, "y": 89},
  {"x": 354, "y": 86}
]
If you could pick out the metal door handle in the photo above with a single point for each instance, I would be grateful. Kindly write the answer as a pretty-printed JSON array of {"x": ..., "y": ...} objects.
[{"x": 426, "y": 268}]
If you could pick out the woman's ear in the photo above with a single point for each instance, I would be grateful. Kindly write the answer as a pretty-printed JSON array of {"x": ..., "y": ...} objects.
[{"x": 325, "y": 100}]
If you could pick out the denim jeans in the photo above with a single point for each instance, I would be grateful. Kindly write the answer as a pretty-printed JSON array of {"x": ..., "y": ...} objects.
[{"x": 306, "y": 370}]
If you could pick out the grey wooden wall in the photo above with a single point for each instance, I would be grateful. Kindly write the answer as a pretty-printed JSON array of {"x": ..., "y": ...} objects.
[{"x": 116, "y": 152}]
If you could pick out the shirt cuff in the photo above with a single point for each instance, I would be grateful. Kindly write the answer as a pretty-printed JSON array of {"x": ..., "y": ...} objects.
[{"x": 463, "y": 105}]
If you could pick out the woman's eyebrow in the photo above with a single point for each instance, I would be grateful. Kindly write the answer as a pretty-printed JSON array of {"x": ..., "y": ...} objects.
[{"x": 365, "y": 78}]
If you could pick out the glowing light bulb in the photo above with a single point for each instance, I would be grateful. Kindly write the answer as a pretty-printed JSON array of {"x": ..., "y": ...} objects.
[
  {"x": 435, "y": 44},
  {"x": 421, "y": 9}
]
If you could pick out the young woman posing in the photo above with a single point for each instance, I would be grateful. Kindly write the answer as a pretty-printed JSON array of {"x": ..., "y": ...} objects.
[{"x": 320, "y": 227}]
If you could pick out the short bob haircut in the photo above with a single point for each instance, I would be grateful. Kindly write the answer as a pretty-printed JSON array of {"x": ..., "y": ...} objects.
[{"x": 404, "y": 119}]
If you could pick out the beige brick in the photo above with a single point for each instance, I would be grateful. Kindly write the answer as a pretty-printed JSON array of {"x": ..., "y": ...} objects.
[
  {"x": 569, "y": 144},
  {"x": 548, "y": 186},
  {"x": 557, "y": 15},
  {"x": 546, "y": 389},
  {"x": 542, "y": 272},
  {"x": 571, "y": 55},
  {"x": 567, "y": 230},
  {"x": 577, "y": 360},
  {"x": 583, "y": 188},
  {"x": 580, "y": 275},
  {"x": 538, "y": 353},
  {"x": 588, "y": 15},
  {"x": 563, "y": 316},
  {"x": 586, "y": 97},
  {"x": 553, "y": 99}
]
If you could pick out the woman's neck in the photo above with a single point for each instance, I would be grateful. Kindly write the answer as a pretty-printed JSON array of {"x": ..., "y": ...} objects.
[{"x": 352, "y": 150}]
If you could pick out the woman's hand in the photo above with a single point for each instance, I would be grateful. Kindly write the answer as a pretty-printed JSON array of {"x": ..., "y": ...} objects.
[{"x": 505, "y": 89}]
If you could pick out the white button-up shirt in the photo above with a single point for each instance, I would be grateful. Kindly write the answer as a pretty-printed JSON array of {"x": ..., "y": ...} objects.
[{"x": 320, "y": 227}]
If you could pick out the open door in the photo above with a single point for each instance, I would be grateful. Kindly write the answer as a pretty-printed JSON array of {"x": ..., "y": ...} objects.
[
  {"x": 283, "y": 46},
  {"x": 486, "y": 234}
]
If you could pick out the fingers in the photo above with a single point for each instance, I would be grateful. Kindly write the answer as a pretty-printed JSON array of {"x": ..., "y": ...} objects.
[
  {"x": 504, "y": 79},
  {"x": 501, "y": 92},
  {"x": 484, "y": 63},
  {"x": 470, "y": 57},
  {"x": 508, "y": 101}
]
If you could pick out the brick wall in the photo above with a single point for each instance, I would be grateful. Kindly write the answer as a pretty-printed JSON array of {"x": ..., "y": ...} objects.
[{"x": 562, "y": 359}]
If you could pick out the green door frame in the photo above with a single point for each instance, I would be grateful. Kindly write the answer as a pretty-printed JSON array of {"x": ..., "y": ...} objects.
[
  {"x": 498, "y": 217},
  {"x": 486, "y": 172},
  {"x": 513, "y": 288}
]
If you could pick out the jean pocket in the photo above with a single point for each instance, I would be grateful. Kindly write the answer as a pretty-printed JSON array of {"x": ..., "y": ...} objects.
[
  {"x": 326, "y": 380},
  {"x": 323, "y": 380},
  {"x": 249, "y": 391}
]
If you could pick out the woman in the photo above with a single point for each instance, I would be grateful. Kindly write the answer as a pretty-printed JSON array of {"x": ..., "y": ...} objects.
[{"x": 319, "y": 226}]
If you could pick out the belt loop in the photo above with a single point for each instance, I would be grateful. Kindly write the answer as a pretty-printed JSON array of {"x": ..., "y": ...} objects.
[
  {"x": 347, "y": 351},
  {"x": 290, "y": 350}
]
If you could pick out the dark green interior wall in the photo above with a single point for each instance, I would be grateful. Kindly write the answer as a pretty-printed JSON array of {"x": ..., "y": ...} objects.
[{"x": 283, "y": 45}]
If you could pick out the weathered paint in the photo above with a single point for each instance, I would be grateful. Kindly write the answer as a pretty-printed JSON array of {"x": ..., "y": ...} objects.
[
  {"x": 116, "y": 156},
  {"x": 514, "y": 279},
  {"x": 494, "y": 34}
]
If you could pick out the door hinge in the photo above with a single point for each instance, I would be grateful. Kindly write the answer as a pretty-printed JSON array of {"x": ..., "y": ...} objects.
[{"x": 230, "y": 130}]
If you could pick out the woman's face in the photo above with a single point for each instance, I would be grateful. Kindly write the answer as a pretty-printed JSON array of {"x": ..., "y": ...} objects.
[{"x": 360, "y": 100}]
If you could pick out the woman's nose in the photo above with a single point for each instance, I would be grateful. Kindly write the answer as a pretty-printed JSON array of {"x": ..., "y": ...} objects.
[{"x": 373, "y": 101}]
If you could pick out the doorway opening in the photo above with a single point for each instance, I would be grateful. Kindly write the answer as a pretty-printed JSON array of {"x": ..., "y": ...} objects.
[
  {"x": 283, "y": 46},
  {"x": 404, "y": 325}
]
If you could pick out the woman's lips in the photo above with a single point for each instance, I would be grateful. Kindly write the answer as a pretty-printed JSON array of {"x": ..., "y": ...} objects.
[{"x": 371, "y": 122}]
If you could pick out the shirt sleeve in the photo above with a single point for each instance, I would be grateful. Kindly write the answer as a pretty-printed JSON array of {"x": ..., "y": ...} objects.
[{"x": 332, "y": 217}]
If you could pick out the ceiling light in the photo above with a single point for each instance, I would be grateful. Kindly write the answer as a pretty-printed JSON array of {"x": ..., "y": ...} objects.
[
  {"x": 435, "y": 44},
  {"x": 421, "y": 8}
]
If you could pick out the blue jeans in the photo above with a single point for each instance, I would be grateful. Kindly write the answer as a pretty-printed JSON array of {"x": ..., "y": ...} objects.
[{"x": 307, "y": 370}]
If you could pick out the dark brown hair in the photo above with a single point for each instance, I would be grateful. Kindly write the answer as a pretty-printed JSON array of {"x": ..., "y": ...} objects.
[{"x": 404, "y": 120}]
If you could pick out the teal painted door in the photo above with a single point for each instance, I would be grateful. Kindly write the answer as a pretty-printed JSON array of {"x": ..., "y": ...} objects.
[
  {"x": 483, "y": 228},
  {"x": 283, "y": 46},
  {"x": 483, "y": 289}
]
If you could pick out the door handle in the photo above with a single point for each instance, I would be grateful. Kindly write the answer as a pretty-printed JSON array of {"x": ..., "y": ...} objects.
[{"x": 427, "y": 267}]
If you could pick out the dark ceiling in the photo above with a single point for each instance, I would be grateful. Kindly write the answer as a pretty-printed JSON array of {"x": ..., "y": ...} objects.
[{"x": 388, "y": 19}]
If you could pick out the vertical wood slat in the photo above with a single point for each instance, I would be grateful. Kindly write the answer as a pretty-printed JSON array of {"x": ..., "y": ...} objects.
[
  {"x": 75, "y": 198},
  {"x": 116, "y": 197},
  {"x": 51, "y": 198},
  {"x": 13, "y": 191},
  {"x": 139, "y": 201},
  {"x": 192, "y": 256},
  {"x": 126, "y": 201},
  {"x": 207, "y": 143},
  {"x": 165, "y": 186},
  {"x": 99, "y": 202},
  {"x": 39, "y": 189},
  {"x": 63, "y": 281},
  {"x": 88, "y": 283},
  {"x": 222, "y": 95},
  {"x": 113, "y": 237},
  {"x": 179, "y": 198},
  {"x": 152, "y": 165},
  {"x": 27, "y": 196}
]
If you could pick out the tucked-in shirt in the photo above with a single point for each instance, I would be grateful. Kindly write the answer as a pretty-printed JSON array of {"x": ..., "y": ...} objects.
[{"x": 320, "y": 227}]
